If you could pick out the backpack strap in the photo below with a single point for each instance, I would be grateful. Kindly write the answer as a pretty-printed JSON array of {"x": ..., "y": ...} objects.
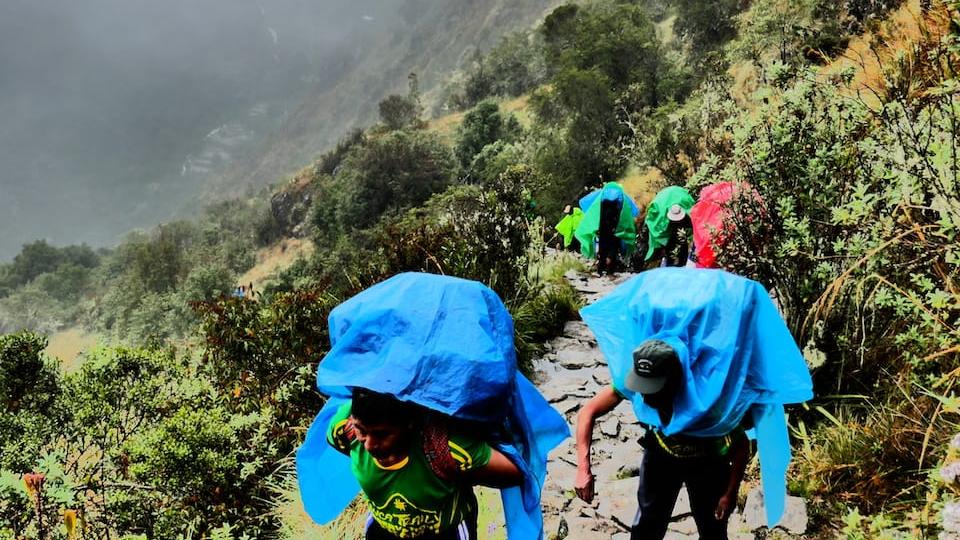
[
  {"x": 342, "y": 436},
  {"x": 436, "y": 448}
]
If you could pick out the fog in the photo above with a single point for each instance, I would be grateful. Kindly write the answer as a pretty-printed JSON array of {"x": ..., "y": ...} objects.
[{"x": 112, "y": 112}]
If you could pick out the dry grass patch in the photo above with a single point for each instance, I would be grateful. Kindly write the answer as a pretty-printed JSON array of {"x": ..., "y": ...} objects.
[
  {"x": 67, "y": 345},
  {"x": 446, "y": 126},
  {"x": 872, "y": 54},
  {"x": 642, "y": 184},
  {"x": 274, "y": 258}
]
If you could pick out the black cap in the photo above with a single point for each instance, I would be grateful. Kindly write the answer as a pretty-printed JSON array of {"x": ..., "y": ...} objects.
[{"x": 654, "y": 361}]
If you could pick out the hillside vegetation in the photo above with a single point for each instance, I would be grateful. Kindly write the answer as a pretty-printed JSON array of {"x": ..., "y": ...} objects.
[{"x": 845, "y": 125}]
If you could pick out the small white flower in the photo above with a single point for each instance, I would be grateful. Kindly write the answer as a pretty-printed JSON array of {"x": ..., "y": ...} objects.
[
  {"x": 950, "y": 472},
  {"x": 951, "y": 517},
  {"x": 955, "y": 441}
]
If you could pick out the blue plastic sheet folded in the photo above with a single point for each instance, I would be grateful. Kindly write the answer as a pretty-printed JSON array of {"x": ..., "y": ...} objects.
[
  {"x": 446, "y": 344},
  {"x": 587, "y": 200},
  {"x": 737, "y": 354}
]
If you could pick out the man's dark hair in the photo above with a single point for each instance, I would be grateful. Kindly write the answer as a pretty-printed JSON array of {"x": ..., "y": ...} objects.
[{"x": 371, "y": 407}]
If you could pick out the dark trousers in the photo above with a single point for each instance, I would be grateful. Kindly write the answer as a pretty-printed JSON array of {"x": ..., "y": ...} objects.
[
  {"x": 662, "y": 475},
  {"x": 608, "y": 247}
]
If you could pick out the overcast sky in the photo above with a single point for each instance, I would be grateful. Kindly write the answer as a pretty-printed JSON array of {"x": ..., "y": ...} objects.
[{"x": 102, "y": 102}]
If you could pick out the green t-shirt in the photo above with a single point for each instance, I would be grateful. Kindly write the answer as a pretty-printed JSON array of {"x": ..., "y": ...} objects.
[{"x": 408, "y": 499}]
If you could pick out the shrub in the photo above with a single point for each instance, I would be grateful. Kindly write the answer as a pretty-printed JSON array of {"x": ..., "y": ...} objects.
[
  {"x": 390, "y": 173},
  {"x": 473, "y": 232},
  {"x": 30, "y": 387},
  {"x": 863, "y": 216},
  {"x": 482, "y": 126},
  {"x": 267, "y": 353},
  {"x": 398, "y": 112}
]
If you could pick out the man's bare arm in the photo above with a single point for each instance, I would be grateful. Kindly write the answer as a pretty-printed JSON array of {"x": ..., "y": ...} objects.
[{"x": 604, "y": 402}]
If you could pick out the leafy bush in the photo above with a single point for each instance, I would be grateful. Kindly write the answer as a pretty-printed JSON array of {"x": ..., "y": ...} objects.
[
  {"x": 266, "y": 353},
  {"x": 144, "y": 441},
  {"x": 399, "y": 112},
  {"x": 473, "y": 232},
  {"x": 482, "y": 126},
  {"x": 494, "y": 160},
  {"x": 388, "y": 174},
  {"x": 30, "y": 386}
]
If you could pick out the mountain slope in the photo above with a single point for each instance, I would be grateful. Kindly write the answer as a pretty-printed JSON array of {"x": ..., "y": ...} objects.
[{"x": 436, "y": 37}]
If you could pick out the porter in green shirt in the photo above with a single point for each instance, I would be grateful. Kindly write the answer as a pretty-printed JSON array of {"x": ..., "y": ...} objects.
[{"x": 408, "y": 499}]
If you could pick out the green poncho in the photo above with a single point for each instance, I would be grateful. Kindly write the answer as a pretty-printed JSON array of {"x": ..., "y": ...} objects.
[
  {"x": 568, "y": 225},
  {"x": 657, "y": 221},
  {"x": 626, "y": 230}
]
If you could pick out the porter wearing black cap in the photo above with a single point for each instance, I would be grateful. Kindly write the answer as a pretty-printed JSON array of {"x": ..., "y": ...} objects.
[
  {"x": 654, "y": 362},
  {"x": 710, "y": 467}
]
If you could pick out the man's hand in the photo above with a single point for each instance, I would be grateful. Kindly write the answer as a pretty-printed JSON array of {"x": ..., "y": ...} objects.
[
  {"x": 724, "y": 507},
  {"x": 584, "y": 485}
]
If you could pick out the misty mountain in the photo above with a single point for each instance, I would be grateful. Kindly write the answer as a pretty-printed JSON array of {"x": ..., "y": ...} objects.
[
  {"x": 114, "y": 111},
  {"x": 432, "y": 38},
  {"x": 117, "y": 114}
]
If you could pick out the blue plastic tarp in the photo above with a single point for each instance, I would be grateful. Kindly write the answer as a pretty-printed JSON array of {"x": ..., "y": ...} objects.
[
  {"x": 446, "y": 344},
  {"x": 588, "y": 199},
  {"x": 737, "y": 354}
]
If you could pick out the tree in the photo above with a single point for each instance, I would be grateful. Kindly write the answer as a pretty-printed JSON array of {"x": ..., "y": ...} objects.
[
  {"x": 39, "y": 257},
  {"x": 707, "y": 25},
  {"x": 390, "y": 173},
  {"x": 30, "y": 387},
  {"x": 398, "y": 112},
  {"x": 483, "y": 125},
  {"x": 401, "y": 112},
  {"x": 608, "y": 67}
]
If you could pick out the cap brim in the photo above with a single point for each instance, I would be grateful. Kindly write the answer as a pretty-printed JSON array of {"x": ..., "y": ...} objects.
[{"x": 644, "y": 385}]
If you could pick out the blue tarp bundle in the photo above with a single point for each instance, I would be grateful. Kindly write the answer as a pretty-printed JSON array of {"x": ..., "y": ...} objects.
[
  {"x": 446, "y": 344},
  {"x": 588, "y": 199},
  {"x": 737, "y": 354}
]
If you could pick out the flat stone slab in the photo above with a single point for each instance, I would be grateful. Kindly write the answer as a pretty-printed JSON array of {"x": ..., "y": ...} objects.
[
  {"x": 579, "y": 358},
  {"x": 602, "y": 376},
  {"x": 610, "y": 427},
  {"x": 794, "y": 518},
  {"x": 618, "y": 500}
]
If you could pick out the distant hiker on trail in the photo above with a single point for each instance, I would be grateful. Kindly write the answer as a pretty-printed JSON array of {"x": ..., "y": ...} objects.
[
  {"x": 572, "y": 216},
  {"x": 239, "y": 292},
  {"x": 669, "y": 227},
  {"x": 607, "y": 228},
  {"x": 702, "y": 355},
  {"x": 426, "y": 402},
  {"x": 251, "y": 294}
]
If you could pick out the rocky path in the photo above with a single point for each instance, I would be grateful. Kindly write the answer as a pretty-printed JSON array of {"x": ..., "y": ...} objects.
[{"x": 570, "y": 373}]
